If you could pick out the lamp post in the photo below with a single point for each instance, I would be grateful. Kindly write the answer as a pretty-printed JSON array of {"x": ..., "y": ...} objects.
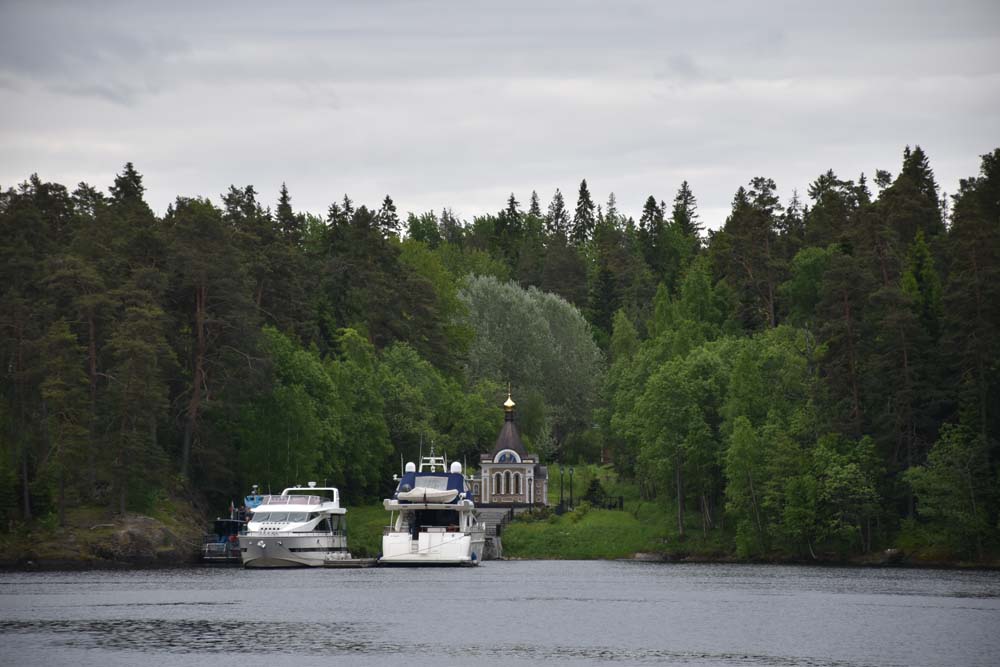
[
  {"x": 561, "y": 475},
  {"x": 571, "y": 487}
]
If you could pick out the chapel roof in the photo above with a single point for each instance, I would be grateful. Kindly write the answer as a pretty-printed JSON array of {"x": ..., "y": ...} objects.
[{"x": 510, "y": 436}]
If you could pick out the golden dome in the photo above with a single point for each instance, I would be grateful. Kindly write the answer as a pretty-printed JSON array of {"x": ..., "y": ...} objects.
[{"x": 509, "y": 404}]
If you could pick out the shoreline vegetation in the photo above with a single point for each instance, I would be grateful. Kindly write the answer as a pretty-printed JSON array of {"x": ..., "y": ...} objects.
[
  {"x": 643, "y": 532},
  {"x": 817, "y": 379}
]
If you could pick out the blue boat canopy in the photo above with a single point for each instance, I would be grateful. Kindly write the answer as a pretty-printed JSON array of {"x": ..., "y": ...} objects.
[{"x": 439, "y": 481}]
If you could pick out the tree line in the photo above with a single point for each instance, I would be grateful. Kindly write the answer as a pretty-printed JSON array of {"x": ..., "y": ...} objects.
[{"x": 817, "y": 375}]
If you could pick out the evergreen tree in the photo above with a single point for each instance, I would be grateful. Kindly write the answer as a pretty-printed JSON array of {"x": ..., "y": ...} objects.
[
  {"x": 583, "y": 218},
  {"x": 911, "y": 203},
  {"x": 290, "y": 225},
  {"x": 972, "y": 299},
  {"x": 685, "y": 212},
  {"x": 67, "y": 408},
  {"x": 137, "y": 396},
  {"x": 557, "y": 219},
  {"x": 746, "y": 252},
  {"x": 210, "y": 291},
  {"x": 535, "y": 208},
  {"x": 387, "y": 218}
]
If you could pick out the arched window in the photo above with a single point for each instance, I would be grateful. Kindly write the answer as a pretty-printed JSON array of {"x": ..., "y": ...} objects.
[
  {"x": 517, "y": 483},
  {"x": 497, "y": 484},
  {"x": 507, "y": 456},
  {"x": 506, "y": 481}
]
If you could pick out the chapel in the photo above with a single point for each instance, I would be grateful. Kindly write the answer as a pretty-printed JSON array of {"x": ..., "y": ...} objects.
[{"x": 509, "y": 475}]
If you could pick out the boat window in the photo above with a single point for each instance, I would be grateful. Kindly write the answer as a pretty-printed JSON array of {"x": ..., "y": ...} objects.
[
  {"x": 431, "y": 482},
  {"x": 278, "y": 516},
  {"x": 436, "y": 518},
  {"x": 296, "y": 517},
  {"x": 261, "y": 516}
]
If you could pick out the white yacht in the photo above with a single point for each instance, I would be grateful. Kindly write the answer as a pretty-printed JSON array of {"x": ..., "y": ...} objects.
[
  {"x": 304, "y": 526},
  {"x": 432, "y": 518}
]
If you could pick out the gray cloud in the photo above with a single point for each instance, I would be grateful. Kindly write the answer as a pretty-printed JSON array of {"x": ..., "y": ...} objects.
[{"x": 458, "y": 104}]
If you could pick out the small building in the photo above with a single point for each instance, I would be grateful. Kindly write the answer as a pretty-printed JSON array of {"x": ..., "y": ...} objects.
[{"x": 509, "y": 475}]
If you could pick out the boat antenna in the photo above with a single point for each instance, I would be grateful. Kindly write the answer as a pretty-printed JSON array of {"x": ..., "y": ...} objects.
[{"x": 402, "y": 468}]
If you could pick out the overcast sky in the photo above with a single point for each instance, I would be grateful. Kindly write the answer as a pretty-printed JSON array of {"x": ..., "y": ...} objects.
[{"x": 460, "y": 103}]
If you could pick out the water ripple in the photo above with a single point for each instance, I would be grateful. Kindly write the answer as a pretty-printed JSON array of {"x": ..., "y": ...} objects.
[{"x": 330, "y": 639}]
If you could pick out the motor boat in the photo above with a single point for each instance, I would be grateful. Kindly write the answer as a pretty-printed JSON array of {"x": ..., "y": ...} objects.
[
  {"x": 303, "y": 527},
  {"x": 432, "y": 518},
  {"x": 222, "y": 541}
]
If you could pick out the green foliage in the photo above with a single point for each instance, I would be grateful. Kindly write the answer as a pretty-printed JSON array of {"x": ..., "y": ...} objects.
[
  {"x": 773, "y": 388},
  {"x": 584, "y": 534},
  {"x": 292, "y": 433},
  {"x": 802, "y": 290},
  {"x": 536, "y": 341},
  {"x": 953, "y": 491}
]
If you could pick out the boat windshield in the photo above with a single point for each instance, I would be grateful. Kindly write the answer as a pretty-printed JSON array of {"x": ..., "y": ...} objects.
[
  {"x": 282, "y": 517},
  {"x": 431, "y": 482}
]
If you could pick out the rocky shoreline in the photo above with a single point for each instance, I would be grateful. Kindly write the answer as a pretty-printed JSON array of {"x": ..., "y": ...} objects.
[{"x": 126, "y": 542}]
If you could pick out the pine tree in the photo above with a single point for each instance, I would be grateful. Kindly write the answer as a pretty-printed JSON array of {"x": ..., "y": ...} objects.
[
  {"x": 611, "y": 213},
  {"x": 911, "y": 203},
  {"x": 77, "y": 287},
  {"x": 535, "y": 208},
  {"x": 747, "y": 253},
  {"x": 67, "y": 406},
  {"x": 685, "y": 212},
  {"x": 650, "y": 236},
  {"x": 212, "y": 295},
  {"x": 583, "y": 218},
  {"x": 387, "y": 218},
  {"x": 972, "y": 298},
  {"x": 839, "y": 317},
  {"x": 557, "y": 219},
  {"x": 651, "y": 218},
  {"x": 128, "y": 189},
  {"x": 138, "y": 395},
  {"x": 513, "y": 209},
  {"x": 830, "y": 218}
]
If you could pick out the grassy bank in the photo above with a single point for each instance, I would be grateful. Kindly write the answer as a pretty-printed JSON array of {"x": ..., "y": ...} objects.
[
  {"x": 650, "y": 527},
  {"x": 364, "y": 529},
  {"x": 644, "y": 526}
]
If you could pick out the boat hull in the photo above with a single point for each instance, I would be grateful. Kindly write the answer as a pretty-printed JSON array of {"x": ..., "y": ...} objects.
[
  {"x": 432, "y": 549},
  {"x": 305, "y": 550}
]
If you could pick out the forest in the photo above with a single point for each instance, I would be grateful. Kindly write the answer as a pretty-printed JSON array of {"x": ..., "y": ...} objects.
[{"x": 819, "y": 375}]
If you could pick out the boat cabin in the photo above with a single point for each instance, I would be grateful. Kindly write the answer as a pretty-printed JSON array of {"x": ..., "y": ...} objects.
[{"x": 300, "y": 513}]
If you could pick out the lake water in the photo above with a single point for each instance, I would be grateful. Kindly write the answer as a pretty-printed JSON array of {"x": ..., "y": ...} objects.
[{"x": 516, "y": 612}]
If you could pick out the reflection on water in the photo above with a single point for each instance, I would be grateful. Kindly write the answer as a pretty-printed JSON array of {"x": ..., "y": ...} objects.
[{"x": 519, "y": 612}]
